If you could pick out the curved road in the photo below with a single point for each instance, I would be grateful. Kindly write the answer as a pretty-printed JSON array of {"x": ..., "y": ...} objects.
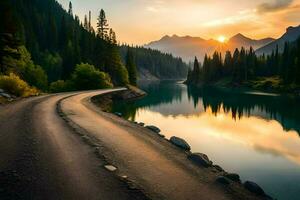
[{"x": 55, "y": 147}]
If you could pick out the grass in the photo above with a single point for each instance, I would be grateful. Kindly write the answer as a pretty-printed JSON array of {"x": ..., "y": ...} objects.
[{"x": 267, "y": 83}]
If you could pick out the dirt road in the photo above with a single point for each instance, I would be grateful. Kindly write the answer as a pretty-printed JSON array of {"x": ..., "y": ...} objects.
[{"x": 56, "y": 146}]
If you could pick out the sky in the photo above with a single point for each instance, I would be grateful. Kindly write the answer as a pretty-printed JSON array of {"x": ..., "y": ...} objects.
[{"x": 141, "y": 21}]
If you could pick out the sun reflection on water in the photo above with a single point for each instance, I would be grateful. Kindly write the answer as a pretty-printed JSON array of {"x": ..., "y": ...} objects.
[{"x": 263, "y": 136}]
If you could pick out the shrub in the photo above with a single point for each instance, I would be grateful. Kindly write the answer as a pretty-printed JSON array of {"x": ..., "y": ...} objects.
[
  {"x": 61, "y": 86},
  {"x": 16, "y": 86},
  {"x": 36, "y": 76},
  {"x": 86, "y": 77}
]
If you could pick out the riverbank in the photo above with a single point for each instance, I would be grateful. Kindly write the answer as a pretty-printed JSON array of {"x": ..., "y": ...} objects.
[
  {"x": 272, "y": 85},
  {"x": 104, "y": 101},
  {"x": 195, "y": 165}
]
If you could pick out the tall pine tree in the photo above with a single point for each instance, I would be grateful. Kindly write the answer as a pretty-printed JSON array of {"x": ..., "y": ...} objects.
[
  {"x": 102, "y": 25},
  {"x": 131, "y": 67}
]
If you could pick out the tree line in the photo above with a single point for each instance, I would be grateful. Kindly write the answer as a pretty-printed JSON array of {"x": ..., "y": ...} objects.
[
  {"x": 244, "y": 66},
  {"x": 40, "y": 40},
  {"x": 161, "y": 65}
]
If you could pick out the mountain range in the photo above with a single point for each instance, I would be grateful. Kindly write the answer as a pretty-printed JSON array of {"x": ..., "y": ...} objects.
[
  {"x": 188, "y": 47},
  {"x": 291, "y": 35}
]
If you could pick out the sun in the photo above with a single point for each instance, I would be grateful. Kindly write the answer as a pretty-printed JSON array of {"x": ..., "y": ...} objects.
[{"x": 222, "y": 39}]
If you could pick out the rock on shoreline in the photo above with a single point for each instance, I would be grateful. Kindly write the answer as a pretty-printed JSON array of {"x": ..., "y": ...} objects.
[
  {"x": 181, "y": 143},
  {"x": 200, "y": 159},
  {"x": 5, "y": 97}
]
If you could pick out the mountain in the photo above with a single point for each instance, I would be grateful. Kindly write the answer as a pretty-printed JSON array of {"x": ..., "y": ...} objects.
[
  {"x": 240, "y": 40},
  {"x": 291, "y": 35},
  {"x": 188, "y": 47},
  {"x": 185, "y": 47}
]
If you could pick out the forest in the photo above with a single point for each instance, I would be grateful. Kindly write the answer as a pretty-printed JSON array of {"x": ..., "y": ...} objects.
[
  {"x": 48, "y": 48},
  {"x": 276, "y": 72}
]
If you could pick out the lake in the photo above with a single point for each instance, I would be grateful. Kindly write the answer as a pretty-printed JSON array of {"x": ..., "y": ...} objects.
[{"x": 253, "y": 134}]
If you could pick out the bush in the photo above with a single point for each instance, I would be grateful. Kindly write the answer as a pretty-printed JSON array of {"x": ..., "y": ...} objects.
[
  {"x": 61, "y": 86},
  {"x": 16, "y": 86},
  {"x": 36, "y": 76},
  {"x": 24, "y": 67},
  {"x": 86, "y": 77}
]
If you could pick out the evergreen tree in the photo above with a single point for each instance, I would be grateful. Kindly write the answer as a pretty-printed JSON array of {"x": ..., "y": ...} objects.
[
  {"x": 90, "y": 23},
  {"x": 206, "y": 69},
  {"x": 86, "y": 24},
  {"x": 112, "y": 39},
  {"x": 115, "y": 67},
  {"x": 196, "y": 71},
  {"x": 228, "y": 63},
  {"x": 70, "y": 9},
  {"x": 102, "y": 25},
  {"x": 131, "y": 67}
]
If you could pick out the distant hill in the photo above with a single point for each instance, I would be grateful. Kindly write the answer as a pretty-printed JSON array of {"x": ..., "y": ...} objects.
[
  {"x": 154, "y": 65},
  {"x": 240, "y": 40},
  {"x": 291, "y": 35},
  {"x": 188, "y": 47}
]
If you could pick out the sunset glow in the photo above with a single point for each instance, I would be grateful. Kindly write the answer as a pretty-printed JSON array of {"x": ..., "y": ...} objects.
[
  {"x": 222, "y": 39},
  {"x": 206, "y": 19}
]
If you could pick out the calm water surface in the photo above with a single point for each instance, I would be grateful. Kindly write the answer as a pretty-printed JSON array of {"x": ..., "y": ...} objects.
[{"x": 253, "y": 134}]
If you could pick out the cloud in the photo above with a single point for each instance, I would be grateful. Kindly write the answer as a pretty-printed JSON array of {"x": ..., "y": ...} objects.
[
  {"x": 243, "y": 15},
  {"x": 274, "y": 6},
  {"x": 156, "y": 6},
  {"x": 152, "y": 9}
]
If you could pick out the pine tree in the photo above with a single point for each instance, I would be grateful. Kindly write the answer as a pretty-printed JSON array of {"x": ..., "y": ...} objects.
[
  {"x": 236, "y": 65},
  {"x": 285, "y": 63},
  {"x": 102, "y": 25},
  {"x": 112, "y": 39},
  {"x": 206, "y": 69},
  {"x": 85, "y": 23},
  {"x": 131, "y": 67},
  {"x": 196, "y": 71},
  {"x": 115, "y": 67},
  {"x": 70, "y": 9},
  {"x": 228, "y": 63},
  {"x": 90, "y": 23}
]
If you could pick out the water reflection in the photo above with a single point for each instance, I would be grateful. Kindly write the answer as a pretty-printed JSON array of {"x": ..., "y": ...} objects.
[
  {"x": 255, "y": 135},
  {"x": 169, "y": 98}
]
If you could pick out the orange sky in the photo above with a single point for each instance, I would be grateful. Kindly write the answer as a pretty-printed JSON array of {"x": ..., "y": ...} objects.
[{"x": 141, "y": 21}]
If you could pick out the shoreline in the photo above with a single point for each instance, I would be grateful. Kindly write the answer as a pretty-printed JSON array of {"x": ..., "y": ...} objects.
[
  {"x": 247, "y": 88},
  {"x": 228, "y": 181}
]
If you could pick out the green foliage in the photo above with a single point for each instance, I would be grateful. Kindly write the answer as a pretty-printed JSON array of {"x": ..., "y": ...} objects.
[
  {"x": 86, "y": 77},
  {"x": 102, "y": 25},
  {"x": 24, "y": 67},
  {"x": 52, "y": 64},
  {"x": 131, "y": 68},
  {"x": 14, "y": 85},
  {"x": 267, "y": 83},
  {"x": 61, "y": 86},
  {"x": 36, "y": 76},
  {"x": 115, "y": 67}
]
